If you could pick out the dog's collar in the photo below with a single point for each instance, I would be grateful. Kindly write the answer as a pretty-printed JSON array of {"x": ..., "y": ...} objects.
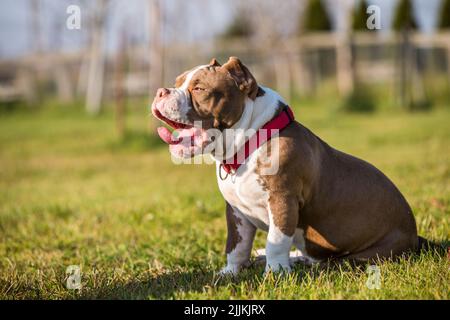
[{"x": 264, "y": 134}]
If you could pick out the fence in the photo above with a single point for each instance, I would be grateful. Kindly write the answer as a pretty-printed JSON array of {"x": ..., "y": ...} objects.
[{"x": 295, "y": 65}]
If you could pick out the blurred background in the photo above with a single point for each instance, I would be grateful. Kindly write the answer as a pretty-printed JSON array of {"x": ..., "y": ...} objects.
[{"x": 302, "y": 48}]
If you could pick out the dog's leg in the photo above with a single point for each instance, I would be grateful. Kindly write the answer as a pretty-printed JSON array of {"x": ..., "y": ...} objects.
[
  {"x": 283, "y": 216},
  {"x": 241, "y": 234}
]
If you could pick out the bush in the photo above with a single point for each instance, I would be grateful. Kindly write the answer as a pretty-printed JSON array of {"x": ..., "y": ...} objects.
[
  {"x": 444, "y": 19},
  {"x": 240, "y": 27},
  {"x": 315, "y": 17},
  {"x": 424, "y": 104},
  {"x": 16, "y": 106},
  {"x": 360, "y": 17},
  {"x": 404, "y": 16},
  {"x": 360, "y": 100}
]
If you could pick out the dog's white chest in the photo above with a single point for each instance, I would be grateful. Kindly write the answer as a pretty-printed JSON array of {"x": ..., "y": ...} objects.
[{"x": 245, "y": 192}]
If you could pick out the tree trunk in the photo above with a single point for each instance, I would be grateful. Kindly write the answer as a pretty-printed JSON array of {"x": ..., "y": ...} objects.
[
  {"x": 448, "y": 63},
  {"x": 156, "y": 63},
  {"x": 63, "y": 83},
  {"x": 344, "y": 52},
  {"x": 26, "y": 81},
  {"x": 96, "y": 62},
  {"x": 344, "y": 65},
  {"x": 36, "y": 30},
  {"x": 405, "y": 63},
  {"x": 282, "y": 75},
  {"x": 120, "y": 70},
  {"x": 301, "y": 73}
]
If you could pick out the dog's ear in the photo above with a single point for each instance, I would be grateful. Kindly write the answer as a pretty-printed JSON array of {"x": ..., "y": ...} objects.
[
  {"x": 214, "y": 63},
  {"x": 242, "y": 76}
]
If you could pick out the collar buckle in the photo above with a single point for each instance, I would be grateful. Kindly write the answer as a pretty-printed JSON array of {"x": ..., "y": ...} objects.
[
  {"x": 229, "y": 171},
  {"x": 221, "y": 167}
]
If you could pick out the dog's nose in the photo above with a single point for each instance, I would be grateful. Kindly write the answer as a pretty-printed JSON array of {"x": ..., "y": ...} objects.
[{"x": 162, "y": 92}]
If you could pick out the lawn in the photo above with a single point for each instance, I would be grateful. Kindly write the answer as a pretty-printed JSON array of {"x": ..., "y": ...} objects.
[{"x": 141, "y": 227}]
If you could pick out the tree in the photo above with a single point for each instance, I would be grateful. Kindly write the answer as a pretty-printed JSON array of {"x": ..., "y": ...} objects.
[
  {"x": 444, "y": 23},
  {"x": 240, "y": 27},
  {"x": 119, "y": 75},
  {"x": 444, "y": 19},
  {"x": 315, "y": 17},
  {"x": 404, "y": 22},
  {"x": 360, "y": 16},
  {"x": 36, "y": 29},
  {"x": 403, "y": 18},
  {"x": 156, "y": 45}
]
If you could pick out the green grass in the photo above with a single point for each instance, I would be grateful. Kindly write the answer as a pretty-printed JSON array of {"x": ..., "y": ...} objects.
[{"x": 142, "y": 227}]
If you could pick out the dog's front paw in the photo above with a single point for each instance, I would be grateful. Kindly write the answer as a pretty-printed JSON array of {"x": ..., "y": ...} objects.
[
  {"x": 277, "y": 267},
  {"x": 230, "y": 270}
]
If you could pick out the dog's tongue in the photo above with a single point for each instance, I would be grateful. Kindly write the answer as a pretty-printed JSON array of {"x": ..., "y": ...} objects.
[
  {"x": 187, "y": 143},
  {"x": 166, "y": 136}
]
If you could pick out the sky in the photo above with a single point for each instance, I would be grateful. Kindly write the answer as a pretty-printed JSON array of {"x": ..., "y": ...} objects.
[{"x": 186, "y": 21}]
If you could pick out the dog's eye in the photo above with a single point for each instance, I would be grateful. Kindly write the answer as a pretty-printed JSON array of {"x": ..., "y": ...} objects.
[{"x": 197, "y": 89}]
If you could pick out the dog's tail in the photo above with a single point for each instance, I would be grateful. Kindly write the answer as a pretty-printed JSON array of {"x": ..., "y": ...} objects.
[{"x": 441, "y": 248}]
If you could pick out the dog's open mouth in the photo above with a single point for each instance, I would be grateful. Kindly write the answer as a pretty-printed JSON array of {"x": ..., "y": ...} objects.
[
  {"x": 182, "y": 130},
  {"x": 186, "y": 140}
]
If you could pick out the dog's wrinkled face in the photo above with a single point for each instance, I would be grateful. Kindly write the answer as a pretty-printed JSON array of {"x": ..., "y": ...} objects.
[{"x": 206, "y": 97}]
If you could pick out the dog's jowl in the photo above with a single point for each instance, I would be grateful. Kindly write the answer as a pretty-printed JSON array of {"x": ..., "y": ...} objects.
[{"x": 276, "y": 175}]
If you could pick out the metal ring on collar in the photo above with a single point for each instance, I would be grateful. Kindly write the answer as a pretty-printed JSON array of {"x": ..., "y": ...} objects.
[{"x": 220, "y": 172}]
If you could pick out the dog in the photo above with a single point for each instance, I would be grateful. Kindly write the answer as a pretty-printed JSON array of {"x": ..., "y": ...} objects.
[{"x": 328, "y": 204}]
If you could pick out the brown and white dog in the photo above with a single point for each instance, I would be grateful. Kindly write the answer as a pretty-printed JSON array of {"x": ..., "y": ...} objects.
[{"x": 328, "y": 204}]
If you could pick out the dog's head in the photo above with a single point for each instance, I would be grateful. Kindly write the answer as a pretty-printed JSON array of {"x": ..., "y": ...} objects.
[{"x": 206, "y": 97}]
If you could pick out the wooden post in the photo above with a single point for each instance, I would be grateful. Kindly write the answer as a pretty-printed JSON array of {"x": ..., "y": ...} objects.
[
  {"x": 300, "y": 72},
  {"x": 27, "y": 83},
  {"x": 315, "y": 69},
  {"x": 94, "y": 91},
  {"x": 63, "y": 82},
  {"x": 83, "y": 71},
  {"x": 282, "y": 75},
  {"x": 120, "y": 92},
  {"x": 344, "y": 64},
  {"x": 448, "y": 61},
  {"x": 405, "y": 63},
  {"x": 344, "y": 52},
  {"x": 36, "y": 31}
]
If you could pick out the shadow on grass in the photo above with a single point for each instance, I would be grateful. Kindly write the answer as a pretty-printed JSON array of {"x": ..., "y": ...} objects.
[
  {"x": 162, "y": 286},
  {"x": 168, "y": 285},
  {"x": 172, "y": 285}
]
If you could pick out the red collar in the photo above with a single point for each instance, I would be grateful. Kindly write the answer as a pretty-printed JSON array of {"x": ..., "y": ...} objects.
[{"x": 278, "y": 123}]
